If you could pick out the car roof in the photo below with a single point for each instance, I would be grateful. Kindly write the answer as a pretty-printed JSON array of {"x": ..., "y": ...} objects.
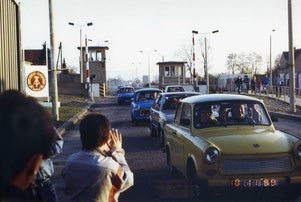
[
  {"x": 174, "y": 86},
  {"x": 180, "y": 93},
  {"x": 217, "y": 97},
  {"x": 148, "y": 89},
  {"x": 127, "y": 87}
]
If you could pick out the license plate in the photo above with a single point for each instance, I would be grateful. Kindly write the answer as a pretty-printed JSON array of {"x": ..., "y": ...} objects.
[{"x": 254, "y": 182}]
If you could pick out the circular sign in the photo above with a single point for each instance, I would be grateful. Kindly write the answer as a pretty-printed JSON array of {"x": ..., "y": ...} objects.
[{"x": 36, "y": 81}]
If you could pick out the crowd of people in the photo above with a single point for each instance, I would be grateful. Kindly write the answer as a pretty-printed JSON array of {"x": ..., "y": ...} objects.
[
  {"x": 256, "y": 85},
  {"x": 99, "y": 172}
]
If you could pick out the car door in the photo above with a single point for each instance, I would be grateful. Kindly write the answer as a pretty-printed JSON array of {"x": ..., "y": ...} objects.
[
  {"x": 179, "y": 136},
  {"x": 170, "y": 133},
  {"x": 155, "y": 112}
]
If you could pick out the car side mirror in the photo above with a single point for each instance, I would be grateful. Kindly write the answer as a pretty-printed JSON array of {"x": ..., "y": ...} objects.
[
  {"x": 274, "y": 117},
  {"x": 185, "y": 122}
]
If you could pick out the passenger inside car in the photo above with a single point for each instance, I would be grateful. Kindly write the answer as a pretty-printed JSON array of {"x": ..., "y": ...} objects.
[{"x": 207, "y": 117}]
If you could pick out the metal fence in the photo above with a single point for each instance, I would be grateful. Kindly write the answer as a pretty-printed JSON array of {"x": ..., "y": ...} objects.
[{"x": 10, "y": 46}]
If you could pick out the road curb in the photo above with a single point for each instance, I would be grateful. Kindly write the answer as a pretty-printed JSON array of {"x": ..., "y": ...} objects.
[
  {"x": 286, "y": 116},
  {"x": 74, "y": 120}
]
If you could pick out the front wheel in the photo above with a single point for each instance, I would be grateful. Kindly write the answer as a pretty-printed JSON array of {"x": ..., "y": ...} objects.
[{"x": 152, "y": 130}]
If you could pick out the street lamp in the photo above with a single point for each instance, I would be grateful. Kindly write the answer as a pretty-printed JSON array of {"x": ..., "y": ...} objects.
[
  {"x": 149, "y": 83},
  {"x": 205, "y": 60},
  {"x": 271, "y": 71},
  {"x": 81, "y": 48}
]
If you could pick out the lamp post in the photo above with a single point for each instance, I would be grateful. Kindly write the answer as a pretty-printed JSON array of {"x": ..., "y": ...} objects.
[
  {"x": 148, "y": 57},
  {"x": 291, "y": 62},
  {"x": 54, "y": 88},
  {"x": 271, "y": 71},
  {"x": 81, "y": 48},
  {"x": 205, "y": 60}
]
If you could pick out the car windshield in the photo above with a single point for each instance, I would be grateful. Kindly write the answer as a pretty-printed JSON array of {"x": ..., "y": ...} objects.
[
  {"x": 171, "y": 101},
  {"x": 126, "y": 90},
  {"x": 212, "y": 114},
  {"x": 176, "y": 89},
  {"x": 146, "y": 95}
]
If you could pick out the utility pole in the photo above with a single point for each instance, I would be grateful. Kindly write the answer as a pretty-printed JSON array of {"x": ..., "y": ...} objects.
[
  {"x": 81, "y": 57},
  {"x": 291, "y": 62},
  {"x": 54, "y": 90},
  {"x": 271, "y": 70}
]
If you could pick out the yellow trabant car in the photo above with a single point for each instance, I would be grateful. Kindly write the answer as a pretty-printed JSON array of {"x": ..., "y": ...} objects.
[{"x": 229, "y": 141}]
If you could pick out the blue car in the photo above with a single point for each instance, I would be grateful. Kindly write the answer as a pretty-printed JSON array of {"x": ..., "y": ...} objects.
[
  {"x": 125, "y": 94},
  {"x": 142, "y": 102}
]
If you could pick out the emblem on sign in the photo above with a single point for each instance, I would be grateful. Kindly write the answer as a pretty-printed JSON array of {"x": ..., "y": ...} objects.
[{"x": 36, "y": 81}]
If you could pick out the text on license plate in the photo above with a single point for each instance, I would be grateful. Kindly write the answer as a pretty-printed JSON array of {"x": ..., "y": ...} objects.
[{"x": 254, "y": 182}]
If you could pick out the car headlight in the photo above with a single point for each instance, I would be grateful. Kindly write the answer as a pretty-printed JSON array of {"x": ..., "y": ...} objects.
[
  {"x": 137, "y": 108},
  {"x": 211, "y": 155},
  {"x": 298, "y": 151}
]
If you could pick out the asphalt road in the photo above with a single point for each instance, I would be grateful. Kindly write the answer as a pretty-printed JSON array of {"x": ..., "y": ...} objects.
[{"x": 145, "y": 158}]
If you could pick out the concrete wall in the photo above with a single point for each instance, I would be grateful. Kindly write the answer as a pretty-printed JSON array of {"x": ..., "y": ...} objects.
[
  {"x": 71, "y": 89},
  {"x": 69, "y": 78}
]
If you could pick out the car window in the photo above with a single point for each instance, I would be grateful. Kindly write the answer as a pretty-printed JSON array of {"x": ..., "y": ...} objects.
[
  {"x": 147, "y": 95},
  {"x": 157, "y": 106},
  {"x": 178, "y": 113},
  {"x": 126, "y": 90},
  {"x": 185, "y": 116},
  {"x": 230, "y": 113},
  {"x": 176, "y": 89},
  {"x": 171, "y": 101}
]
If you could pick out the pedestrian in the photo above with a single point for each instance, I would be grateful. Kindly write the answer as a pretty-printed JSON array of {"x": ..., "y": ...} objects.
[
  {"x": 265, "y": 83},
  {"x": 253, "y": 84},
  {"x": 247, "y": 83},
  {"x": 238, "y": 83},
  {"x": 278, "y": 83},
  {"x": 99, "y": 172},
  {"x": 42, "y": 187},
  {"x": 27, "y": 136},
  {"x": 258, "y": 86}
]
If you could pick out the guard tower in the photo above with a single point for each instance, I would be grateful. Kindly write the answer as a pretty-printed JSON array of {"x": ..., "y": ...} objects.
[
  {"x": 171, "y": 73},
  {"x": 97, "y": 64}
]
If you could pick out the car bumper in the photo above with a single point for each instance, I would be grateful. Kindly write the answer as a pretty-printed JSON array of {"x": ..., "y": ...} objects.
[{"x": 226, "y": 182}]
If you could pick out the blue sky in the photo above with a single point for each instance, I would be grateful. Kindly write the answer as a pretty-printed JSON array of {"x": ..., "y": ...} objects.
[{"x": 163, "y": 25}]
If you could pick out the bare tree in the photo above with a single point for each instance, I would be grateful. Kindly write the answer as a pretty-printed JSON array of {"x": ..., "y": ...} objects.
[
  {"x": 185, "y": 53},
  {"x": 232, "y": 62},
  {"x": 242, "y": 63},
  {"x": 255, "y": 61}
]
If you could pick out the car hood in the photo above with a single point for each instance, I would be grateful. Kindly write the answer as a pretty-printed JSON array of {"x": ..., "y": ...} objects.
[
  {"x": 126, "y": 94},
  {"x": 250, "y": 141},
  {"x": 144, "y": 104}
]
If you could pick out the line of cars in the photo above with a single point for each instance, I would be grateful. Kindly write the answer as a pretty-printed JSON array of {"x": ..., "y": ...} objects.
[{"x": 221, "y": 141}]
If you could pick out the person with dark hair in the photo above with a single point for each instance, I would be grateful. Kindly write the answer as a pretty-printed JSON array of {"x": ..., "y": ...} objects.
[
  {"x": 247, "y": 83},
  {"x": 27, "y": 137},
  {"x": 99, "y": 172},
  {"x": 42, "y": 187},
  {"x": 238, "y": 83}
]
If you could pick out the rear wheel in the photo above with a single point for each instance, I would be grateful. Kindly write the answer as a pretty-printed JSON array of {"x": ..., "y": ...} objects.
[{"x": 161, "y": 137}]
